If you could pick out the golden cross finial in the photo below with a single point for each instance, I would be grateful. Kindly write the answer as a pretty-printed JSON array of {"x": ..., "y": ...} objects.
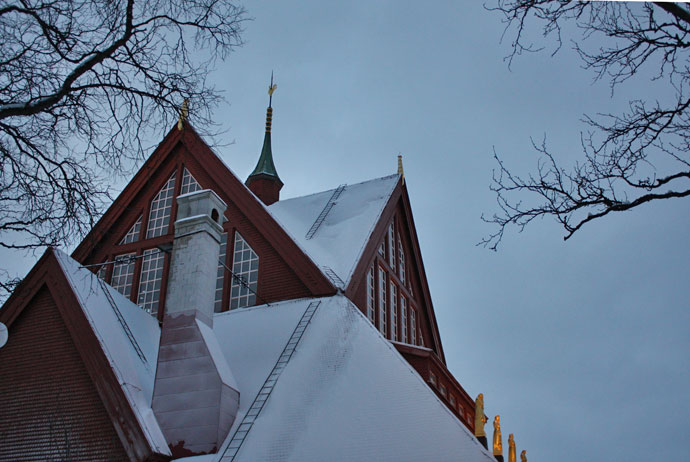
[
  {"x": 271, "y": 88},
  {"x": 184, "y": 112}
]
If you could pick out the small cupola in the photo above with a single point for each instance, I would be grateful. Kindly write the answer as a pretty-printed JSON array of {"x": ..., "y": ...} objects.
[{"x": 264, "y": 180}]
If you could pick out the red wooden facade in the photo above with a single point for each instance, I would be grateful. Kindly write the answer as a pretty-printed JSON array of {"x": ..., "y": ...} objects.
[
  {"x": 391, "y": 261},
  {"x": 54, "y": 376},
  {"x": 285, "y": 272}
]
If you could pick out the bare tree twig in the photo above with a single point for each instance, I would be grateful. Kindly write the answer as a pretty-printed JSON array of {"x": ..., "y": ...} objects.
[{"x": 629, "y": 159}]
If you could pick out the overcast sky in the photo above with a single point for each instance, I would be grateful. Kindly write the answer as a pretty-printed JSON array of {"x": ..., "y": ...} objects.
[{"x": 580, "y": 346}]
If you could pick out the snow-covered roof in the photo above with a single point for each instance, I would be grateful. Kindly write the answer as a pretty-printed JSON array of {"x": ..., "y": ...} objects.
[
  {"x": 338, "y": 241},
  {"x": 336, "y": 389},
  {"x": 129, "y": 338},
  {"x": 346, "y": 394}
]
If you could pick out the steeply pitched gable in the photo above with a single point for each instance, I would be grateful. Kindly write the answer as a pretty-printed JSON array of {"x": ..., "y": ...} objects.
[
  {"x": 62, "y": 294},
  {"x": 415, "y": 287},
  {"x": 285, "y": 270},
  {"x": 334, "y": 226}
]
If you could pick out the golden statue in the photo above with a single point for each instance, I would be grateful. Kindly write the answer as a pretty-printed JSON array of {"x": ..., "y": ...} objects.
[
  {"x": 498, "y": 442},
  {"x": 184, "y": 112},
  {"x": 511, "y": 448},
  {"x": 479, "y": 418},
  {"x": 523, "y": 456}
]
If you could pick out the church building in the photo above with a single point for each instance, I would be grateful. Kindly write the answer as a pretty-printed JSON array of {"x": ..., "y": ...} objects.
[{"x": 206, "y": 319}]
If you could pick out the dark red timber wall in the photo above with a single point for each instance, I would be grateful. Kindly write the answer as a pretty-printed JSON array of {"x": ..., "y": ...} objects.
[{"x": 49, "y": 408}]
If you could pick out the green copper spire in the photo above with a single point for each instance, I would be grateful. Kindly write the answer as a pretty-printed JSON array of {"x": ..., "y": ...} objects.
[{"x": 265, "y": 168}]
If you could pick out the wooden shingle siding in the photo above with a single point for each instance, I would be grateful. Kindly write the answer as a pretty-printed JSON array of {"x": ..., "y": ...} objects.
[{"x": 49, "y": 408}]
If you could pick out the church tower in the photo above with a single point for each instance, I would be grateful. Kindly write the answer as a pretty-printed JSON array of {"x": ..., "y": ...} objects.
[{"x": 264, "y": 180}]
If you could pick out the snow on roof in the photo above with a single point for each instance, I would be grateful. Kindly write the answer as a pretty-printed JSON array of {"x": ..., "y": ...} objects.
[
  {"x": 340, "y": 239},
  {"x": 129, "y": 338},
  {"x": 346, "y": 394}
]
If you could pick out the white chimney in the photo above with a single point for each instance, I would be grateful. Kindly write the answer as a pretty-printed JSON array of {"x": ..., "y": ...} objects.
[{"x": 195, "y": 397}]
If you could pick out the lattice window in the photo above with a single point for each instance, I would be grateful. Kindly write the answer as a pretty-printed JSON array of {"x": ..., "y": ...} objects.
[
  {"x": 150, "y": 280},
  {"x": 220, "y": 275},
  {"x": 413, "y": 326},
  {"x": 401, "y": 261},
  {"x": 403, "y": 318},
  {"x": 394, "y": 312},
  {"x": 123, "y": 274},
  {"x": 383, "y": 324},
  {"x": 245, "y": 267},
  {"x": 391, "y": 247},
  {"x": 371, "y": 296},
  {"x": 161, "y": 206},
  {"x": 189, "y": 184},
  {"x": 382, "y": 249},
  {"x": 133, "y": 233}
]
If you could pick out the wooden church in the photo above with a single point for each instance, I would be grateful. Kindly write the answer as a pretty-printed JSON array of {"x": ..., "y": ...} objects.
[{"x": 205, "y": 319}]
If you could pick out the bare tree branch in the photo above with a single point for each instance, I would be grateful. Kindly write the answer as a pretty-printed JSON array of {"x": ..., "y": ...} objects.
[
  {"x": 83, "y": 85},
  {"x": 628, "y": 159}
]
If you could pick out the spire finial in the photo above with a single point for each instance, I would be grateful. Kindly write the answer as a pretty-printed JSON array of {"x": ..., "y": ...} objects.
[
  {"x": 271, "y": 88},
  {"x": 400, "y": 168},
  {"x": 184, "y": 112},
  {"x": 269, "y": 111},
  {"x": 264, "y": 180}
]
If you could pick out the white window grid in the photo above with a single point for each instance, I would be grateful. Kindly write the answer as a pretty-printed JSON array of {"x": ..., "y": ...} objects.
[
  {"x": 382, "y": 249},
  {"x": 383, "y": 325},
  {"x": 391, "y": 247},
  {"x": 133, "y": 233},
  {"x": 401, "y": 259},
  {"x": 150, "y": 280},
  {"x": 189, "y": 183},
  {"x": 245, "y": 266},
  {"x": 371, "y": 296},
  {"x": 123, "y": 274},
  {"x": 394, "y": 312},
  {"x": 220, "y": 275},
  {"x": 161, "y": 206},
  {"x": 413, "y": 326},
  {"x": 403, "y": 318}
]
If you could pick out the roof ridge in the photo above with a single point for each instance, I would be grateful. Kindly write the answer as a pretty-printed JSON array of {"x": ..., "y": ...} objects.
[{"x": 347, "y": 185}]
